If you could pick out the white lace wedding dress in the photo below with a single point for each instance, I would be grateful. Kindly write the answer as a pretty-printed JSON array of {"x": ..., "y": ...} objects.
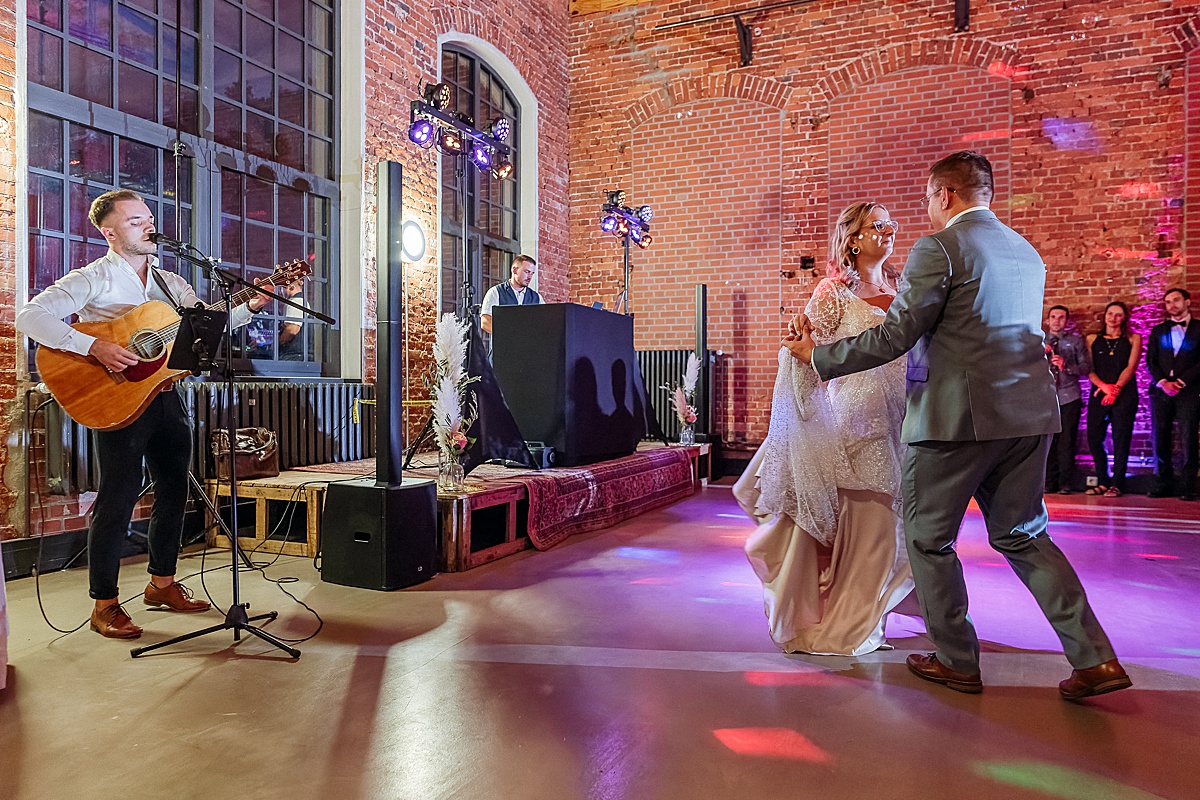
[{"x": 825, "y": 490}]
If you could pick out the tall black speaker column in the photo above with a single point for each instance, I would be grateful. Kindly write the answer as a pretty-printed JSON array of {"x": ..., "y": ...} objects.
[{"x": 383, "y": 534}]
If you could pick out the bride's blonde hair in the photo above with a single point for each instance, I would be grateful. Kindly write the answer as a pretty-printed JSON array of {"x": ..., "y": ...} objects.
[{"x": 842, "y": 264}]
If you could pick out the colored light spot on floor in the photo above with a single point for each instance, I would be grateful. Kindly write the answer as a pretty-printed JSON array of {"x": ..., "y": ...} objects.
[
  {"x": 992, "y": 564},
  {"x": 1059, "y": 781},
  {"x": 1157, "y": 556},
  {"x": 734, "y": 583},
  {"x": 790, "y": 678},
  {"x": 772, "y": 743},
  {"x": 742, "y": 517},
  {"x": 648, "y": 554},
  {"x": 1194, "y": 652},
  {"x": 652, "y": 581},
  {"x": 717, "y": 601}
]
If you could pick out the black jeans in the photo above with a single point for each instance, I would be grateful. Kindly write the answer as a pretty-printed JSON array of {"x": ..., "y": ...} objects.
[
  {"x": 1165, "y": 410},
  {"x": 1060, "y": 466},
  {"x": 1120, "y": 415},
  {"x": 162, "y": 436}
]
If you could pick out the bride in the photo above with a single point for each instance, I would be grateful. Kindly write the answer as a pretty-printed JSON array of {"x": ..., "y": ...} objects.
[{"x": 825, "y": 485}]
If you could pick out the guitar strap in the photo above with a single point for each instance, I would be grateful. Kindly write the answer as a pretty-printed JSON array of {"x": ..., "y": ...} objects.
[{"x": 162, "y": 284}]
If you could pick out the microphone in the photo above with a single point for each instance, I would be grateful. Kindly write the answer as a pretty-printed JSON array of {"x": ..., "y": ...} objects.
[{"x": 167, "y": 241}]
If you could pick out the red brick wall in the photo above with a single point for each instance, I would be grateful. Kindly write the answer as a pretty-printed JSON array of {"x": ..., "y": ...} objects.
[
  {"x": 8, "y": 240},
  {"x": 1067, "y": 99}
]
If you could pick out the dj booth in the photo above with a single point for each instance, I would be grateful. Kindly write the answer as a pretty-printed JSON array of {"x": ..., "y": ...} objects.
[{"x": 570, "y": 377}]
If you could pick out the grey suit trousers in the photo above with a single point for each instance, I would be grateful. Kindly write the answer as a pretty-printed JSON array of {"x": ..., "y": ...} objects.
[{"x": 1006, "y": 477}]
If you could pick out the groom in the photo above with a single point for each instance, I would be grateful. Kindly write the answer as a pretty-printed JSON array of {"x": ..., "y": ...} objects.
[{"x": 981, "y": 413}]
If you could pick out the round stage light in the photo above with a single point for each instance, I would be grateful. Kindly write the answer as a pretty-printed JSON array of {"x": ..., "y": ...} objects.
[
  {"x": 412, "y": 241},
  {"x": 645, "y": 213},
  {"x": 421, "y": 133},
  {"x": 500, "y": 129},
  {"x": 437, "y": 95},
  {"x": 635, "y": 233},
  {"x": 502, "y": 169},
  {"x": 450, "y": 141},
  {"x": 645, "y": 241},
  {"x": 481, "y": 154},
  {"x": 608, "y": 223}
]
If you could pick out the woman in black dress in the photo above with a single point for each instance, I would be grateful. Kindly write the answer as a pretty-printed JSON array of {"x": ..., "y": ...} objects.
[{"x": 1115, "y": 353}]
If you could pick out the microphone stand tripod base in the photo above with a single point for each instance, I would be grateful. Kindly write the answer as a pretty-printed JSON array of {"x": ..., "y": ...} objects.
[{"x": 237, "y": 619}]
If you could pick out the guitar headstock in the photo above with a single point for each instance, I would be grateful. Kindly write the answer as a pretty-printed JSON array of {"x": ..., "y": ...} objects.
[{"x": 287, "y": 274}]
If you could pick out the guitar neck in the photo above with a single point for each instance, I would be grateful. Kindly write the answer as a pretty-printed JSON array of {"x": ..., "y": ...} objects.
[{"x": 238, "y": 298}]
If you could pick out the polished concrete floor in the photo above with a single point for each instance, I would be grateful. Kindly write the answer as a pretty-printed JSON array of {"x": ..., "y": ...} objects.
[{"x": 629, "y": 663}]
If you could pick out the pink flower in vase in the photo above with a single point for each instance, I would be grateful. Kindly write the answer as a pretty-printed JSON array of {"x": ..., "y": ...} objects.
[{"x": 459, "y": 442}]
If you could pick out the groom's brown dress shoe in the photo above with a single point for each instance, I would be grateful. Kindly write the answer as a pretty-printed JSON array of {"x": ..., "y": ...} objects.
[
  {"x": 929, "y": 668},
  {"x": 113, "y": 622},
  {"x": 1100, "y": 679},
  {"x": 176, "y": 597}
]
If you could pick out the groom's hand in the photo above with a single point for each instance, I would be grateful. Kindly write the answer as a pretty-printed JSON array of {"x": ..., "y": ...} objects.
[{"x": 801, "y": 348}]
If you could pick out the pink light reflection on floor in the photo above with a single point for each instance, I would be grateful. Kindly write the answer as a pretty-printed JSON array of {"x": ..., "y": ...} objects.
[{"x": 772, "y": 743}]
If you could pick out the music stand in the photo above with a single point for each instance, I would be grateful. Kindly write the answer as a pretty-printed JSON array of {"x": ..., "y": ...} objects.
[
  {"x": 198, "y": 325},
  {"x": 199, "y": 337}
]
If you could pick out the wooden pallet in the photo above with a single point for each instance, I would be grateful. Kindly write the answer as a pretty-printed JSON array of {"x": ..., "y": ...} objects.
[{"x": 272, "y": 500}]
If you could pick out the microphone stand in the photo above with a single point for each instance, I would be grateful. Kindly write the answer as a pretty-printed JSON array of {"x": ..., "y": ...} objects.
[{"x": 237, "y": 617}]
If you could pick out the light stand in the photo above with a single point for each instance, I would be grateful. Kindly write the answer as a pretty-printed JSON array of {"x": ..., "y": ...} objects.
[
  {"x": 237, "y": 617},
  {"x": 629, "y": 226}
]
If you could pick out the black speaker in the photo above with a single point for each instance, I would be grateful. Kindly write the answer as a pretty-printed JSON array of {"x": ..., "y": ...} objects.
[{"x": 376, "y": 536}]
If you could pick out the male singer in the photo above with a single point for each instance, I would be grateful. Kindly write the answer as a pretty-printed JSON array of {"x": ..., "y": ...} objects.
[
  {"x": 125, "y": 277},
  {"x": 1173, "y": 358},
  {"x": 1069, "y": 359}
]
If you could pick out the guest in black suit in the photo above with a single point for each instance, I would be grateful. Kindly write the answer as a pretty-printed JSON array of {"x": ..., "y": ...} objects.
[{"x": 1173, "y": 358}]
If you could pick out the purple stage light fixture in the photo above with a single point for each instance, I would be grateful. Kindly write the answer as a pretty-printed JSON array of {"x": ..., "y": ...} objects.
[
  {"x": 437, "y": 95},
  {"x": 499, "y": 129},
  {"x": 645, "y": 213},
  {"x": 481, "y": 154},
  {"x": 421, "y": 133},
  {"x": 608, "y": 223},
  {"x": 635, "y": 233}
]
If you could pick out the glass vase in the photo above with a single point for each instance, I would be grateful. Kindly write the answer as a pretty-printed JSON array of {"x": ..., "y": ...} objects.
[
  {"x": 451, "y": 477},
  {"x": 687, "y": 435}
]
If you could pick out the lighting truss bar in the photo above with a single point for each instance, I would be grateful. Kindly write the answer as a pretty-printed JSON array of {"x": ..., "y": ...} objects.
[
  {"x": 667, "y": 26},
  {"x": 424, "y": 110},
  {"x": 627, "y": 214}
]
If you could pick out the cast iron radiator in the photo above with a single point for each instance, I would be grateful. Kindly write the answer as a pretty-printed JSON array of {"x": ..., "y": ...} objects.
[
  {"x": 312, "y": 420},
  {"x": 665, "y": 367}
]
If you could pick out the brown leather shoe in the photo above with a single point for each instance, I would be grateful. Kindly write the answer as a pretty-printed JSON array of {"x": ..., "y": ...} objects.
[
  {"x": 929, "y": 668},
  {"x": 113, "y": 622},
  {"x": 1100, "y": 679},
  {"x": 176, "y": 597}
]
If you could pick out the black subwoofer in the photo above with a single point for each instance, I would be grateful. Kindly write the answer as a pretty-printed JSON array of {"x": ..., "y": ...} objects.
[{"x": 375, "y": 536}]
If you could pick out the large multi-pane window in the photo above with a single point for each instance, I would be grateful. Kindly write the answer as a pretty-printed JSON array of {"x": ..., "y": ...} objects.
[
  {"x": 232, "y": 102},
  {"x": 491, "y": 218}
]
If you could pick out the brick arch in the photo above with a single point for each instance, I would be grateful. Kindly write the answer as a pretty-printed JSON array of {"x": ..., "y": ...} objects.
[
  {"x": 957, "y": 51},
  {"x": 1188, "y": 34},
  {"x": 737, "y": 85},
  {"x": 456, "y": 19}
]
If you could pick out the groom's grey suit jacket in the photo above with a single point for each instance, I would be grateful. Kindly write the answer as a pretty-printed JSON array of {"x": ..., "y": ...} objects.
[{"x": 970, "y": 310}]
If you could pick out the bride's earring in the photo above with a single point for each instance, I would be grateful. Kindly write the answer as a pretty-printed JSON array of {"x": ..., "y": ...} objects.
[{"x": 855, "y": 249}]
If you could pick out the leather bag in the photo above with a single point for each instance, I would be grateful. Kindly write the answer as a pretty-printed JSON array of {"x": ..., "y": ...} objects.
[{"x": 256, "y": 454}]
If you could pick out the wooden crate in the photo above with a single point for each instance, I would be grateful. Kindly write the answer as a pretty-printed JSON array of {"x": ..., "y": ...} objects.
[
  {"x": 306, "y": 488},
  {"x": 460, "y": 515}
]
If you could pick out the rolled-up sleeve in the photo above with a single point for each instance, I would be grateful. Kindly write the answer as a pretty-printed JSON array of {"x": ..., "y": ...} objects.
[{"x": 41, "y": 319}]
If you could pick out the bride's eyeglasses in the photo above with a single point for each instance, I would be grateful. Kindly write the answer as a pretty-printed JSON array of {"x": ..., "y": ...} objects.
[{"x": 880, "y": 224}]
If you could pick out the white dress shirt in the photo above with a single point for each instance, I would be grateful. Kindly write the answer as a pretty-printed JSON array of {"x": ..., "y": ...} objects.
[
  {"x": 1177, "y": 333},
  {"x": 102, "y": 291}
]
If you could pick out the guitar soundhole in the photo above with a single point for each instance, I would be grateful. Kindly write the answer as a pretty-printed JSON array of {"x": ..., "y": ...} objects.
[{"x": 148, "y": 345}]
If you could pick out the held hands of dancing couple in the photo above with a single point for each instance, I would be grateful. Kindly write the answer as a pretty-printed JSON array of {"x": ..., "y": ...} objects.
[{"x": 965, "y": 331}]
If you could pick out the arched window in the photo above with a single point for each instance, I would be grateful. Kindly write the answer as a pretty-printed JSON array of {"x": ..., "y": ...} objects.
[{"x": 492, "y": 213}]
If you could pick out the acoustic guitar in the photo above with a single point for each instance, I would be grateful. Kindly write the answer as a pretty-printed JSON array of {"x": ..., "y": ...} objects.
[{"x": 105, "y": 400}]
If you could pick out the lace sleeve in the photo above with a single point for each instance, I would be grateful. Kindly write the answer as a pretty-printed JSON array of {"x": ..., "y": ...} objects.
[{"x": 825, "y": 310}]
